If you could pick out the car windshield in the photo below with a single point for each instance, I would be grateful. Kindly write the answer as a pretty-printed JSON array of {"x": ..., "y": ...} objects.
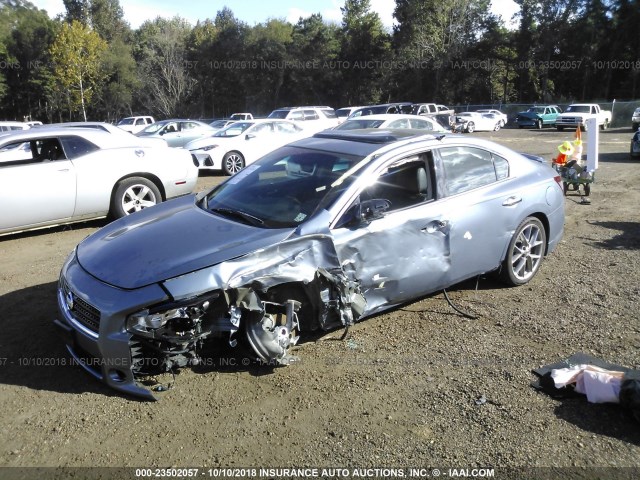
[
  {"x": 279, "y": 114},
  {"x": 126, "y": 121},
  {"x": 218, "y": 123},
  {"x": 579, "y": 108},
  {"x": 536, "y": 110},
  {"x": 283, "y": 188},
  {"x": 359, "y": 123},
  {"x": 234, "y": 129}
]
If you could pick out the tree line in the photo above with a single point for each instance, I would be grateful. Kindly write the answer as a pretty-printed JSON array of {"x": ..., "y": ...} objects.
[{"x": 90, "y": 64}]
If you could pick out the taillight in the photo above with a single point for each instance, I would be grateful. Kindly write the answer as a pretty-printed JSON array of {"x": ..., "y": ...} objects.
[{"x": 558, "y": 180}]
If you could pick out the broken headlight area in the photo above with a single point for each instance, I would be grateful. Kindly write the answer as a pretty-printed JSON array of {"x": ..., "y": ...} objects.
[
  {"x": 169, "y": 336},
  {"x": 172, "y": 336}
]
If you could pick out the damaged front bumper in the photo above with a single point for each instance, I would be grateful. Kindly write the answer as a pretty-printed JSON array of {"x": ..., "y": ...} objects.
[{"x": 123, "y": 336}]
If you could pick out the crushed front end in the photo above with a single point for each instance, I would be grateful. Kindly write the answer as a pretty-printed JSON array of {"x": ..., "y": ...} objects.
[{"x": 124, "y": 336}]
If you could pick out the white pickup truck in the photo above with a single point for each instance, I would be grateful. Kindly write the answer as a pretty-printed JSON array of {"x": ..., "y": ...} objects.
[{"x": 576, "y": 115}]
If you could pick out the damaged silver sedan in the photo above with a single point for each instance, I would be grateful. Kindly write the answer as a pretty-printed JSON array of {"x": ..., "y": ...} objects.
[{"x": 318, "y": 234}]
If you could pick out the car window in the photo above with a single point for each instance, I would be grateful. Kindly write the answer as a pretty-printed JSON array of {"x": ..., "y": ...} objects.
[
  {"x": 140, "y": 121},
  {"x": 502, "y": 167},
  {"x": 47, "y": 150},
  {"x": 467, "y": 168},
  {"x": 189, "y": 125},
  {"x": 171, "y": 127},
  {"x": 296, "y": 116},
  {"x": 403, "y": 184},
  {"x": 16, "y": 151},
  {"x": 329, "y": 113},
  {"x": 284, "y": 127},
  {"x": 311, "y": 115},
  {"x": 402, "y": 123},
  {"x": 75, "y": 147},
  {"x": 263, "y": 128},
  {"x": 420, "y": 123}
]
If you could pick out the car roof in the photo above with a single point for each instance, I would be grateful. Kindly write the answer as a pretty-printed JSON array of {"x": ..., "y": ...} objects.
[
  {"x": 389, "y": 116},
  {"x": 99, "y": 137},
  {"x": 357, "y": 142}
]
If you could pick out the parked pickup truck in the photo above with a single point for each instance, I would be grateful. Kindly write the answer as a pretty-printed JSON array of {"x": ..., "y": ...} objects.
[
  {"x": 577, "y": 114},
  {"x": 241, "y": 116},
  {"x": 442, "y": 113}
]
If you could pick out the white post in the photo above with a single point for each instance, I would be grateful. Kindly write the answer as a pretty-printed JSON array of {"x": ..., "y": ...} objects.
[{"x": 592, "y": 147}]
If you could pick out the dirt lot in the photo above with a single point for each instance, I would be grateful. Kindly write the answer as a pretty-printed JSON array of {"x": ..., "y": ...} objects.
[{"x": 400, "y": 391}]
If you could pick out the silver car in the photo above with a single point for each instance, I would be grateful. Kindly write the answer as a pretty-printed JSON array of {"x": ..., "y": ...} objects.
[
  {"x": 51, "y": 176},
  {"x": 177, "y": 132},
  {"x": 316, "y": 235}
]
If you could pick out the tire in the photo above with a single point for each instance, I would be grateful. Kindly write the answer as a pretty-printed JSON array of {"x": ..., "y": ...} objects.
[
  {"x": 565, "y": 188},
  {"x": 584, "y": 127},
  {"x": 232, "y": 163},
  {"x": 587, "y": 189},
  {"x": 634, "y": 126},
  {"x": 497, "y": 127},
  {"x": 604, "y": 125},
  {"x": 132, "y": 195},
  {"x": 525, "y": 254},
  {"x": 539, "y": 124},
  {"x": 471, "y": 127}
]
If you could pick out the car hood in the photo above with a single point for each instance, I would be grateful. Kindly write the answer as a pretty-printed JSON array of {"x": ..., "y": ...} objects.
[
  {"x": 166, "y": 241},
  {"x": 529, "y": 114}
]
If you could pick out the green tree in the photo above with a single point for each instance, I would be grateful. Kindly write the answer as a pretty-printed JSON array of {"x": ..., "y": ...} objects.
[
  {"x": 432, "y": 37},
  {"x": 364, "y": 45},
  {"x": 76, "y": 54},
  {"x": 316, "y": 43},
  {"x": 163, "y": 66},
  {"x": 25, "y": 35},
  {"x": 267, "y": 55}
]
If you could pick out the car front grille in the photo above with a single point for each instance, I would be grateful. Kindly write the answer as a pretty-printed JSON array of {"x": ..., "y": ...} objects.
[{"x": 82, "y": 311}]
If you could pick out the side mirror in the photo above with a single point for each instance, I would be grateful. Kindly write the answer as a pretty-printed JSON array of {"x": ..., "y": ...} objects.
[
  {"x": 363, "y": 213},
  {"x": 249, "y": 136},
  {"x": 373, "y": 209}
]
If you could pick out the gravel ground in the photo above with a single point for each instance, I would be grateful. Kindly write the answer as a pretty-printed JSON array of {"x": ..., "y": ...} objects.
[{"x": 419, "y": 387}]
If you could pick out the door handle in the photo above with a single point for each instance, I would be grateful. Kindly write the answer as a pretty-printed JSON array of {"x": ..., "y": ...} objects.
[
  {"x": 511, "y": 201},
  {"x": 63, "y": 170}
]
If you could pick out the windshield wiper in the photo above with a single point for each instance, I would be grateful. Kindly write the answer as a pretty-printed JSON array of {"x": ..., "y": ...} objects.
[{"x": 247, "y": 217}]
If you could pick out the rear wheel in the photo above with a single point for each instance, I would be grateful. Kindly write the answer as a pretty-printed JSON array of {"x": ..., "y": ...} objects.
[
  {"x": 232, "y": 163},
  {"x": 471, "y": 127},
  {"x": 497, "y": 127},
  {"x": 604, "y": 125},
  {"x": 132, "y": 195},
  {"x": 539, "y": 124},
  {"x": 587, "y": 189},
  {"x": 525, "y": 254}
]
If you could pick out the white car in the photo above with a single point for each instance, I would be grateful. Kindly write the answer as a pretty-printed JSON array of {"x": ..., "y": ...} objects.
[
  {"x": 474, "y": 121},
  {"x": 392, "y": 120},
  {"x": 135, "y": 124},
  {"x": 10, "y": 126},
  {"x": 242, "y": 143},
  {"x": 79, "y": 174},
  {"x": 345, "y": 112},
  {"x": 313, "y": 119},
  {"x": 502, "y": 116}
]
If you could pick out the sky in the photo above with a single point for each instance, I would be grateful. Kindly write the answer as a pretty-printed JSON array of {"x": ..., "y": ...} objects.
[{"x": 250, "y": 11}]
